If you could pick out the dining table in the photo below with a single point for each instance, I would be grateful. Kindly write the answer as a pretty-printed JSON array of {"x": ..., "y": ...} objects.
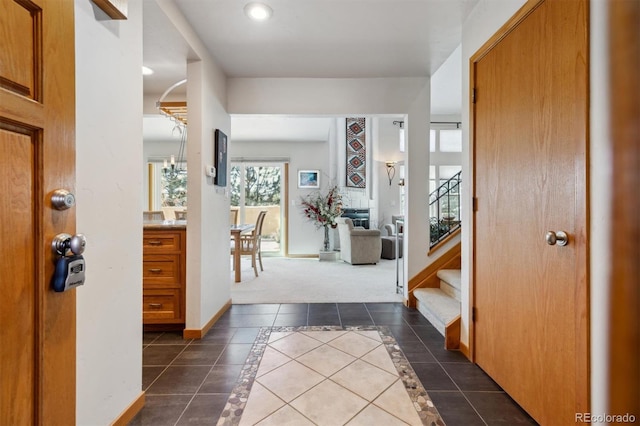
[{"x": 236, "y": 231}]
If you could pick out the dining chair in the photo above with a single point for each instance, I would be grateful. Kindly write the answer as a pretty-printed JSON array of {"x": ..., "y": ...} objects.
[
  {"x": 233, "y": 216},
  {"x": 181, "y": 214},
  {"x": 153, "y": 215},
  {"x": 250, "y": 243}
]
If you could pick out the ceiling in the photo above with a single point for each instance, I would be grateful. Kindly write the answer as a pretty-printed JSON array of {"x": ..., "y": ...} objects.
[{"x": 308, "y": 39}]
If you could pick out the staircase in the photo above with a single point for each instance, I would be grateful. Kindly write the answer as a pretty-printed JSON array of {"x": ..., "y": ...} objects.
[
  {"x": 441, "y": 306},
  {"x": 444, "y": 210}
]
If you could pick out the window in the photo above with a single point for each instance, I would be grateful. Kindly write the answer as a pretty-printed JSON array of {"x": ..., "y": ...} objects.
[
  {"x": 445, "y": 158},
  {"x": 432, "y": 179},
  {"x": 432, "y": 140},
  {"x": 450, "y": 140},
  {"x": 256, "y": 187},
  {"x": 447, "y": 172}
]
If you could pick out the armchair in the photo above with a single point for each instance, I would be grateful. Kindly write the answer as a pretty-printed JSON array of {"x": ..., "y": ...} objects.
[
  {"x": 358, "y": 246},
  {"x": 389, "y": 242}
]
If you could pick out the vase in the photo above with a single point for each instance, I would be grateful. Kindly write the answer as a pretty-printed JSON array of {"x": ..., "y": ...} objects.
[{"x": 325, "y": 245}]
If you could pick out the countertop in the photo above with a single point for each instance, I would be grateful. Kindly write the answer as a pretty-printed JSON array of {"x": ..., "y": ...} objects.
[{"x": 164, "y": 224}]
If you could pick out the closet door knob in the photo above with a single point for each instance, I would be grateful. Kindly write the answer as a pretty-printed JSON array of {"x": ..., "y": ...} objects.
[{"x": 560, "y": 238}]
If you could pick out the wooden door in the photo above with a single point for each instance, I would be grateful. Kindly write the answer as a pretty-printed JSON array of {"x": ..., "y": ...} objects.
[
  {"x": 37, "y": 113},
  {"x": 530, "y": 141},
  {"x": 624, "y": 300}
]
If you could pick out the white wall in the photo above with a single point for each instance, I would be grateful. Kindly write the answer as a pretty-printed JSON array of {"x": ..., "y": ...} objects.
[
  {"x": 109, "y": 194},
  {"x": 446, "y": 87},
  {"x": 387, "y": 148},
  {"x": 323, "y": 96},
  {"x": 601, "y": 178},
  {"x": 208, "y": 270},
  {"x": 446, "y": 100},
  {"x": 416, "y": 157}
]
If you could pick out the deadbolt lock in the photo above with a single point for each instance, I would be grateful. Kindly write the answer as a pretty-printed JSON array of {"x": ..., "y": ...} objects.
[{"x": 62, "y": 199}]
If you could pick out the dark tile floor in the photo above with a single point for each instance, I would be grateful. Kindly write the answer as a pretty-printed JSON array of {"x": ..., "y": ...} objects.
[{"x": 187, "y": 382}]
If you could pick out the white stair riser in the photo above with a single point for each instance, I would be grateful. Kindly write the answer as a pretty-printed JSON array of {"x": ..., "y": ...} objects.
[
  {"x": 450, "y": 290},
  {"x": 437, "y": 323},
  {"x": 437, "y": 307},
  {"x": 452, "y": 276}
]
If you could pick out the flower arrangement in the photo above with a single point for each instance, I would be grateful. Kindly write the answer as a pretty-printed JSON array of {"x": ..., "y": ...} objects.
[{"x": 323, "y": 210}]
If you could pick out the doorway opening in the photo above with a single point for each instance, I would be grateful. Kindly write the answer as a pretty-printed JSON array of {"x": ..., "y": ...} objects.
[{"x": 256, "y": 187}]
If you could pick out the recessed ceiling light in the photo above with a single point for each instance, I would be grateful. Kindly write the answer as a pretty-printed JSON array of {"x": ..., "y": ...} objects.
[
  {"x": 258, "y": 11},
  {"x": 146, "y": 70}
]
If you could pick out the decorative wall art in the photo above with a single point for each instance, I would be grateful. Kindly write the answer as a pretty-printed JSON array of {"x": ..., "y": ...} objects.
[
  {"x": 356, "y": 153},
  {"x": 309, "y": 179},
  {"x": 220, "y": 158}
]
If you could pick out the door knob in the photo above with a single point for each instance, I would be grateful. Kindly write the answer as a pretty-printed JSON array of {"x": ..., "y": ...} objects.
[
  {"x": 70, "y": 265},
  {"x": 561, "y": 238},
  {"x": 62, "y": 244}
]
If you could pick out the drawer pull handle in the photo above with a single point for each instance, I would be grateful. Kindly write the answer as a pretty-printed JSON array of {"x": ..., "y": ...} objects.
[
  {"x": 155, "y": 243},
  {"x": 155, "y": 305},
  {"x": 155, "y": 270}
]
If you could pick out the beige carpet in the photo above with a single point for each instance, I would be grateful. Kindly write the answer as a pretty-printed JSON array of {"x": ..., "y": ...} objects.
[{"x": 286, "y": 280}]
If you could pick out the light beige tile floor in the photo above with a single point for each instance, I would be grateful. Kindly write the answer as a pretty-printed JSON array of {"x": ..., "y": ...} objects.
[
  {"x": 184, "y": 393},
  {"x": 328, "y": 378}
]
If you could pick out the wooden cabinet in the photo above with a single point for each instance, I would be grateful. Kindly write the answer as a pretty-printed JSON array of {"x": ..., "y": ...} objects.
[{"x": 163, "y": 276}]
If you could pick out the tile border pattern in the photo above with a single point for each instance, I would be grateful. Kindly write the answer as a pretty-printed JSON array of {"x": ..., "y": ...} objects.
[{"x": 237, "y": 401}]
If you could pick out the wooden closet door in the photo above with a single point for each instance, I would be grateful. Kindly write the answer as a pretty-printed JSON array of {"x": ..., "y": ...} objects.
[{"x": 530, "y": 140}]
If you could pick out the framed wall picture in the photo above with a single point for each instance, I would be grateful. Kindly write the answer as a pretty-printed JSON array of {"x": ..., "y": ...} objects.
[
  {"x": 220, "y": 158},
  {"x": 309, "y": 179}
]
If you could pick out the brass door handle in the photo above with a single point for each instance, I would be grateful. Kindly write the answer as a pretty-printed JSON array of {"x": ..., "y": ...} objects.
[
  {"x": 155, "y": 270},
  {"x": 155, "y": 305},
  {"x": 155, "y": 243}
]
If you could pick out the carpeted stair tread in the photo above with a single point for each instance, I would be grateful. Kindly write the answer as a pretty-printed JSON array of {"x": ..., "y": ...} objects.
[{"x": 437, "y": 306}]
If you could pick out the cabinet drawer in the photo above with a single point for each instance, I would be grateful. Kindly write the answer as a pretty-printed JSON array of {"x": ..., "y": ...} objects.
[
  {"x": 161, "y": 306},
  {"x": 159, "y": 242},
  {"x": 162, "y": 269}
]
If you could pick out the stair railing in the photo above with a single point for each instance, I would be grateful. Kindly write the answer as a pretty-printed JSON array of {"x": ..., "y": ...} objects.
[{"x": 444, "y": 210}]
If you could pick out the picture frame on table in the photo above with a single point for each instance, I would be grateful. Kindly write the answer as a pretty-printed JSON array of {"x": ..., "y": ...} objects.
[{"x": 309, "y": 179}]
